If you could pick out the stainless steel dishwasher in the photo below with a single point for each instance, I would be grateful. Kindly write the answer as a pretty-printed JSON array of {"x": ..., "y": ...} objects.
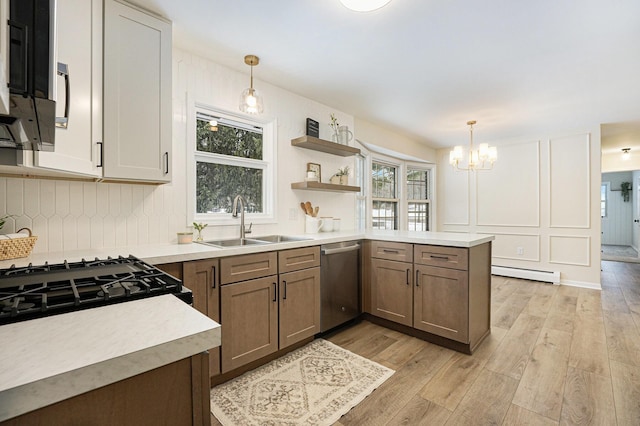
[{"x": 339, "y": 283}]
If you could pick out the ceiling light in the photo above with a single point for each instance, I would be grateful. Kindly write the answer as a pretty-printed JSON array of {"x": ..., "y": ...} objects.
[
  {"x": 213, "y": 125},
  {"x": 625, "y": 153},
  {"x": 364, "y": 5},
  {"x": 250, "y": 100},
  {"x": 480, "y": 159}
]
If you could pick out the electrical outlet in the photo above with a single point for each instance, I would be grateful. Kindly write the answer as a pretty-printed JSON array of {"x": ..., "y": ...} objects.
[
  {"x": 293, "y": 214},
  {"x": 520, "y": 251}
]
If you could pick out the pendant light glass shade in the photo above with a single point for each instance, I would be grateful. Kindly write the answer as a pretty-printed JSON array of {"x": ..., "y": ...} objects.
[
  {"x": 364, "y": 5},
  {"x": 250, "y": 99}
]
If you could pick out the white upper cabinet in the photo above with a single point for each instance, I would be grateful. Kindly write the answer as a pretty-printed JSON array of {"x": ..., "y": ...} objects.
[
  {"x": 4, "y": 57},
  {"x": 137, "y": 94},
  {"x": 78, "y": 90}
]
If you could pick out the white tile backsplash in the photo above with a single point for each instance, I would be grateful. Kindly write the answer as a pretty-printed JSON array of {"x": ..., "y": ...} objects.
[{"x": 67, "y": 215}]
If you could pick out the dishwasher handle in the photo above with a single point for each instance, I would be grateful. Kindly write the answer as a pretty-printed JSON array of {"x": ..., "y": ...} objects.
[{"x": 327, "y": 251}]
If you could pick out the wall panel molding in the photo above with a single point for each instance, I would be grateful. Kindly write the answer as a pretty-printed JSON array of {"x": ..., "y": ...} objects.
[
  {"x": 570, "y": 250},
  {"x": 570, "y": 182},
  {"x": 503, "y": 200},
  {"x": 506, "y": 243}
]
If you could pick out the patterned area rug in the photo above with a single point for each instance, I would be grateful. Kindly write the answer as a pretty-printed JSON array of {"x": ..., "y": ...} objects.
[{"x": 313, "y": 385}]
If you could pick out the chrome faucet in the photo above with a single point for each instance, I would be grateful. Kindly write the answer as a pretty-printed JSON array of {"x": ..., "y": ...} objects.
[{"x": 234, "y": 213}]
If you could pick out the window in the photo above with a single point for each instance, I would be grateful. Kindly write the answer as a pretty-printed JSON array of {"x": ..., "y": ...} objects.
[
  {"x": 603, "y": 199},
  {"x": 417, "y": 199},
  {"x": 384, "y": 195},
  {"x": 231, "y": 156}
]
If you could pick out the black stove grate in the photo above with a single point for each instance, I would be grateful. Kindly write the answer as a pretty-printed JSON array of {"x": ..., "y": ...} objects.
[{"x": 35, "y": 291}]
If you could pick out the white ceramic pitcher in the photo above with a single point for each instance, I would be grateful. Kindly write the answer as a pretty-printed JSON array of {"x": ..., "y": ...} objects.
[{"x": 312, "y": 224}]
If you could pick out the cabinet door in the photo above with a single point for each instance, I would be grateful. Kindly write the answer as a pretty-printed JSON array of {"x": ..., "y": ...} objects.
[
  {"x": 201, "y": 277},
  {"x": 137, "y": 94},
  {"x": 79, "y": 48},
  {"x": 249, "y": 314},
  {"x": 299, "y": 305},
  {"x": 4, "y": 58},
  {"x": 392, "y": 290},
  {"x": 442, "y": 302}
]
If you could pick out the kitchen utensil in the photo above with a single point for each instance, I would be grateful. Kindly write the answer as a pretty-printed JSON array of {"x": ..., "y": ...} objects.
[
  {"x": 315, "y": 211},
  {"x": 308, "y": 208},
  {"x": 304, "y": 209}
]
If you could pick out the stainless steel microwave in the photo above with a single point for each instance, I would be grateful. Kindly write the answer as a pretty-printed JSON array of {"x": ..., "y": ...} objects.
[{"x": 30, "y": 122}]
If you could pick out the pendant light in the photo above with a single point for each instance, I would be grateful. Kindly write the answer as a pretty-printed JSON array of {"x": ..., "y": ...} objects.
[
  {"x": 364, "y": 5},
  {"x": 480, "y": 159},
  {"x": 625, "y": 153},
  {"x": 250, "y": 100}
]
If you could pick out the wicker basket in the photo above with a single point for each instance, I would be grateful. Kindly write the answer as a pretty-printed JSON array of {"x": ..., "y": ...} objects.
[{"x": 17, "y": 247}]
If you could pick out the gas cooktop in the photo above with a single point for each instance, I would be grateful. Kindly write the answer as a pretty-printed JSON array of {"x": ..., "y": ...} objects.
[{"x": 36, "y": 291}]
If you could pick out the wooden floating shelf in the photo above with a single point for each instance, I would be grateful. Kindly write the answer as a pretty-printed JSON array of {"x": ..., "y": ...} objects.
[
  {"x": 309, "y": 142},
  {"x": 318, "y": 186}
]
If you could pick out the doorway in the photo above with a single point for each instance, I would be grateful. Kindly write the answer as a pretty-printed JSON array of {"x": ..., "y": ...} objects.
[{"x": 620, "y": 216}]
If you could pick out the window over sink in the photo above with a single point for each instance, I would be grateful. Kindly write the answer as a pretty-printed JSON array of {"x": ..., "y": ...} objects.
[{"x": 230, "y": 155}]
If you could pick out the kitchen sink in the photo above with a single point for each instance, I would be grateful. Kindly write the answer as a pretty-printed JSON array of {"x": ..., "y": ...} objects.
[
  {"x": 236, "y": 242},
  {"x": 280, "y": 238},
  {"x": 239, "y": 242}
]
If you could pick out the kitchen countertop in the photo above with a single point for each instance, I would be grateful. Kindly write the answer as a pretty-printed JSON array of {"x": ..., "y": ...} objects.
[
  {"x": 168, "y": 253},
  {"x": 50, "y": 359},
  {"x": 54, "y": 358}
]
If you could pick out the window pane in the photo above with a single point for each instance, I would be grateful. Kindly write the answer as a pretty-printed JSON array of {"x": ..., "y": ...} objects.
[
  {"x": 417, "y": 184},
  {"x": 603, "y": 200},
  {"x": 383, "y": 181},
  {"x": 384, "y": 215},
  {"x": 418, "y": 216},
  {"x": 218, "y": 184},
  {"x": 238, "y": 140}
]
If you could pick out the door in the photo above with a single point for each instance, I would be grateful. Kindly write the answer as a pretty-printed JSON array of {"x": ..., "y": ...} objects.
[
  {"x": 636, "y": 212},
  {"x": 137, "y": 94},
  {"x": 392, "y": 291},
  {"x": 249, "y": 319},
  {"x": 201, "y": 277},
  {"x": 79, "y": 50},
  {"x": 441, "y": 302},
  {"x": 299, "y": 305}
]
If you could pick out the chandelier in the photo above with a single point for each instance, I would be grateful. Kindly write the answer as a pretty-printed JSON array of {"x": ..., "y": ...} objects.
[{"x": 479, "y": 159}]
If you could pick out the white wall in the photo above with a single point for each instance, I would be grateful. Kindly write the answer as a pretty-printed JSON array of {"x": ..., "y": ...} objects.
[
  {"x": 374, "y": 134},
  {"x": 617, "y": 225},
  {"x": 541, "y": 201},
  {"x": 69, "y": 215}
]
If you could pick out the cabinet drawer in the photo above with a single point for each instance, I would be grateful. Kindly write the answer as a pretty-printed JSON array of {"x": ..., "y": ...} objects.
[
  {"x": 248, "y": 266},
  {"x": 297, "y": 259},
  {"x": 401, "y": 252},
  {"x": 446, "y": 257}
]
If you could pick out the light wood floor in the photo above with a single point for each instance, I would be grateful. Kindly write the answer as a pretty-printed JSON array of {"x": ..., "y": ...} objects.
[{"x": 556, "y": 355}]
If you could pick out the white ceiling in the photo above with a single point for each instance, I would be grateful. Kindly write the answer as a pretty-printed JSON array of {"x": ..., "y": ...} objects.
[{"x": 426, "y": 67}]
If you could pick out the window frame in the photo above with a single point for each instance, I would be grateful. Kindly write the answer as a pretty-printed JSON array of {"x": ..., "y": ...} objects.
[
  {"x": 399, "y": 190},
  {"x": 267, "y": 165},
  {"x": 430, "y": 169}
]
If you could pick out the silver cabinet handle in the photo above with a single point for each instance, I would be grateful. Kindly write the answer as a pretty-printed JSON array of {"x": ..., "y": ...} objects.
[{"x": 63, "y": 70}]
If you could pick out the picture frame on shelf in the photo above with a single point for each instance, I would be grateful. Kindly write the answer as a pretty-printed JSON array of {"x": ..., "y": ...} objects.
[{"x": 313, "y": 167}]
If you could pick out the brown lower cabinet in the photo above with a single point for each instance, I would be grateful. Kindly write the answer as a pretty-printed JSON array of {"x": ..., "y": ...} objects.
[
  {"x": 171, "y": 395},
  {"x": 392, "y": 290},
  {"x": 263, "y": 315},
  {"x": 249, "y": 321},
  {"x": 445, "y": 292},
  {"x": 201, "y": 277}
]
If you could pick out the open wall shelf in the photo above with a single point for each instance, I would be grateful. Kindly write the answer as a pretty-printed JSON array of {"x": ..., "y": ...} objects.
[
  {"x": 318, "y": 186},
  {"x": 309, "y": 142}
]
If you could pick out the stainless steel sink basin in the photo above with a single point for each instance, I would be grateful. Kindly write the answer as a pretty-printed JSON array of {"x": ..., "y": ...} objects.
[
  {"x": 236, "y": 242},
  {"x": 239, "y": 242},
  {"x": 280, "y": 238}
]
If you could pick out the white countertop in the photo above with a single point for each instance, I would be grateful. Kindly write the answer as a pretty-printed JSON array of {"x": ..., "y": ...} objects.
[
  {"x": 168, "y": 253},
  {"x": 50, "y": 359}
]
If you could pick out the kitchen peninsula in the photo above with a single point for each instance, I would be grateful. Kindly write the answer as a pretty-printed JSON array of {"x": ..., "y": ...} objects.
[{"x": 438, "y": 274}]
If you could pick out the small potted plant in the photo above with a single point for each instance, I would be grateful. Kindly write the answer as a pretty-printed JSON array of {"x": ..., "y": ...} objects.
[
  {"x": 341, "y": 177},
  {"x": 199, "y": 227}
]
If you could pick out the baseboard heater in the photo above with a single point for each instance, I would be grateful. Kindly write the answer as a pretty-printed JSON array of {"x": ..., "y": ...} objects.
[{"x": 527, "y": 274}]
